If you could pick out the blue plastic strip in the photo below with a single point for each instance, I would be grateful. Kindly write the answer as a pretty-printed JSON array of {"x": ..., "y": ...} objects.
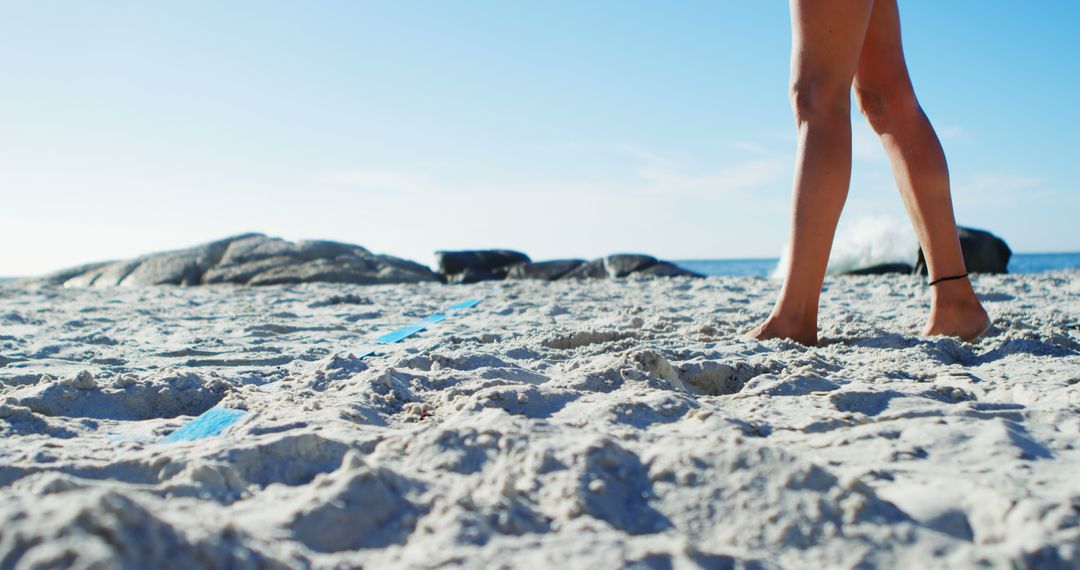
[
  {"x": 464, "y": 304},
  {"x": 411, "y": 329},
  {"x": 400, "y": 334},
  {"x": 212, "y": 422}
]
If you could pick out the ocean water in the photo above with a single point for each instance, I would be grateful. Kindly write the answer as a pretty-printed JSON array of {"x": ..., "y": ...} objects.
[
  {"x": 1040, "y": 262},
  {"x": 730, "y": 267},
  {"x": 1018, "y": 263}
]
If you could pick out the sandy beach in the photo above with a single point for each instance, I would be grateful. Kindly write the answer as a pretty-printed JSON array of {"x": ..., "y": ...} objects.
[{"x": 574, "y": 424}]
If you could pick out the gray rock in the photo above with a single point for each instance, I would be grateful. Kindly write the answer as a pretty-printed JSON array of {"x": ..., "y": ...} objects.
[
  {"x": 103, "y": 274},
  {"x": 881, "y": 269},
  {"x": 983, "y": 252},
  {"x": 667, "y": 269},
  {"x": 249, "y": 259},
  {"x": 182, "y": 267},
  {"x": 246, "y": 249},
  {"x": 70, "y": 273},
  {"x": 470, "y": 266},
  {"x": 470, "y": 276},
  {"x": 245, "y": 271},
  {"x": 546, "y": 270},
  {"x": 589, "y": 270},
  {"x": 623, "y": 265},
  {"x": 341, "y": 269}
]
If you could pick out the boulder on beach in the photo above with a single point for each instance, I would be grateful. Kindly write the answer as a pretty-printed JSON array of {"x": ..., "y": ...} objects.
[
  {"x": 983, "y": 252},
  {"x": 627, "y": 264},
  {"x": 624, "y": 264},
  {"x": 882, "y": 269},
  {"x": 589, "y": 270},
  {"x": 667, "y": 269},
  {"x": 471, "y": 266},
  {"x": 546, "y": 270},
  {"x": 248, "y": 259}
]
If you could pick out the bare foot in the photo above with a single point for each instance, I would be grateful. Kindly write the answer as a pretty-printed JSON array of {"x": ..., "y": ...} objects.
[
  {"x": 775, "y": 328},
  {"x": 966, "y": 321}
]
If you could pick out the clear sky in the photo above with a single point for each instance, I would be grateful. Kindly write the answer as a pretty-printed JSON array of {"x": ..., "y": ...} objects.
[{"x": 561, "y": 128}]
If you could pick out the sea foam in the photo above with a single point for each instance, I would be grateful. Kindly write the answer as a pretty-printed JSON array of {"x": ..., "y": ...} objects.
[{"x": 865, "y": 241}]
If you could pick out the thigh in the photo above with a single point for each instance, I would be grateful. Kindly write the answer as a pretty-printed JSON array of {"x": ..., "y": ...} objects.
[
  {"x": 827, "y": 38},
  {"x": 882, "y": 69}
]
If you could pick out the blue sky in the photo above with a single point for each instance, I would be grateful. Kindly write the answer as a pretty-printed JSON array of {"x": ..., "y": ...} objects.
[{"x": 560, "y": 128}]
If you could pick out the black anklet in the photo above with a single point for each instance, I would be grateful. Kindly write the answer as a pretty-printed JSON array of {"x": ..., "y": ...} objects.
[{"x": 936, "y": 281}]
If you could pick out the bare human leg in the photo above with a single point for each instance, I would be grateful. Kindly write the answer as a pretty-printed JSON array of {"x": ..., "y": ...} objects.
[
  {"x": 827, "y": 38},
  {"x": 885, "y": 94}
]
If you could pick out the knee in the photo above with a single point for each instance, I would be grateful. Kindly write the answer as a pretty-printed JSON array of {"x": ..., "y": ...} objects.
[
  {"x": 813, "y": 100},
  {"x": 884, "y": 107}
]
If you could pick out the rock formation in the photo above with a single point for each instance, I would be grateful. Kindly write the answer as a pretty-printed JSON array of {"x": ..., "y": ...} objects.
[
  {"x": 626, "y": 264},
  {"x": 249, "y": 259},
  {"x": 255, "y": 259},
  {"x": 472, "y": 266},
  {"x": 546, "y": 270}
]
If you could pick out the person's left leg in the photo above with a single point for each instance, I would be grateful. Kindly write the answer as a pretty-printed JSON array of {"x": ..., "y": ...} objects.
[{"x": 884, "y": 92}]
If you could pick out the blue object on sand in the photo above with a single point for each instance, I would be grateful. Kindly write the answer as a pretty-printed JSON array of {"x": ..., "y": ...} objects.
[
  {"x": 436, "y": 318},
  {"x": 411, "y": 329},
  {"x": 464, "y": 304},
  {"x": 212, "y": 422},
  {"x": 400, "y": 334}
]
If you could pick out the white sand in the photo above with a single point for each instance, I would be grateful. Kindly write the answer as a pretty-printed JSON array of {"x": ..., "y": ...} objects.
[{"x": 574, "y": 425}]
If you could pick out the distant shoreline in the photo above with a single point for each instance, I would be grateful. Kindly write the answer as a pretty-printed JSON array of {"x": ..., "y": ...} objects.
[
  {"x": 1015, "y": 254},
  {"x": 1021, "y": 263}
]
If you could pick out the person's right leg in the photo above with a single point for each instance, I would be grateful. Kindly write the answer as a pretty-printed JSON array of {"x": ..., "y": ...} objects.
[
  {"x": 827, "y": 37},
  {"x": 885, "y": 94}
]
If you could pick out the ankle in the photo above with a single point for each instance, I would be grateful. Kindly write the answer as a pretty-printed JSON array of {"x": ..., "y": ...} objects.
[
  {"x": 957, "y": 308},
  {"x": 791, "y": 322},
  {"x": 959, "y": 300},
  {"x": 955, "y": 302},
  {"x": 954, "y": 294}
]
